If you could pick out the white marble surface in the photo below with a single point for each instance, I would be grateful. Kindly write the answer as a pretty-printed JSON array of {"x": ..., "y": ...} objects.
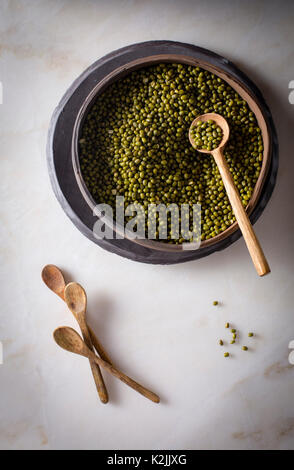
[{"x": 158, "y": 323}]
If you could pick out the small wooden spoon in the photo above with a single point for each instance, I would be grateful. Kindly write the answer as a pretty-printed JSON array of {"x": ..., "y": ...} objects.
[
  {"x": 76, "y": 300},
  {"x": 54, "y": 279},
  {"x": 253, "y": 245},
  {"x": 70, "y": 340}
]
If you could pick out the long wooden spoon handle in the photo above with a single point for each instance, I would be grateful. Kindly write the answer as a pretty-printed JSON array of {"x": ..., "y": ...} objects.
[
  {"x": 100, "y": 385},
  {"x": 98, "y": 346},
  {"x": 127, "y": 380},
  {"x": 253, "y": 245}
]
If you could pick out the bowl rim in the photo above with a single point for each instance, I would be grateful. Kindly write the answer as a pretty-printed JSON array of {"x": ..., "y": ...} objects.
[{"x": 142, "y": 62}]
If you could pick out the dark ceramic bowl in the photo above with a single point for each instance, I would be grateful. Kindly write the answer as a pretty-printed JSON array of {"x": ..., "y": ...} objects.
[{"x": 77, "y": 103}]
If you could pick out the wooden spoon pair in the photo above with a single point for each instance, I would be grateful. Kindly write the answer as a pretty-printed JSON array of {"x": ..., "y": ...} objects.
[{"x": 70, "y": 340}]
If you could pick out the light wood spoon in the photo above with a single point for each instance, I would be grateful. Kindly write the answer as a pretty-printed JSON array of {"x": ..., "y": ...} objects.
[
  {"x": 70, "y": 340},
  {"x": 253, "y": 245},
  {"x": 76, "y": 300},
  {"x": 54, "y": 279}
]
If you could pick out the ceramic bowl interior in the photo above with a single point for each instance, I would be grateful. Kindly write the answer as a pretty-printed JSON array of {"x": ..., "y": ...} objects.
[{"x": 240, "y": 88}]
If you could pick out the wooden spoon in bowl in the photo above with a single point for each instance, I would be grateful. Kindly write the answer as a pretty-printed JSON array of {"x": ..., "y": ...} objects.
[
  {"x": 70, "y": 340},
  {"x": 76, "y": 300},
  {"x": 54, "y": 279},
  {"x": 253, "y": 245}
]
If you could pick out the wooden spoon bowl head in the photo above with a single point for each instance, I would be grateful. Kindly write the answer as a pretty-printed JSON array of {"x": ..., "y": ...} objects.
[
  {"x": 53, "y": 278},
  {"x": 220, "y": 121},
  {"x": 68, "y": 339},
  {"x": 76, "y": 298}
]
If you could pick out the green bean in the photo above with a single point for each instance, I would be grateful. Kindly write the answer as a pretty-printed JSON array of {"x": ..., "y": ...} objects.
[{"x": 206, "y": 135}]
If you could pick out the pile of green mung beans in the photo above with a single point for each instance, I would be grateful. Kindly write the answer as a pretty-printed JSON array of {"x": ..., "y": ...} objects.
[
  {"x": 134, "y": 143},
  {"x": 206, "y": 135}
]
